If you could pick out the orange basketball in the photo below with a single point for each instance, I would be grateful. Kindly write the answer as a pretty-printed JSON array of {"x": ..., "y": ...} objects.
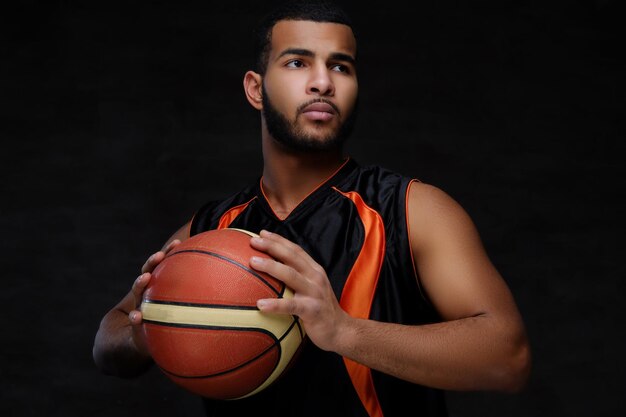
[{"x": 201, "y": 323}]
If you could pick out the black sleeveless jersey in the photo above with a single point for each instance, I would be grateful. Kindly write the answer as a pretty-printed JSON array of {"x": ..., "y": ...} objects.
[{"x": 355, "y": 226}]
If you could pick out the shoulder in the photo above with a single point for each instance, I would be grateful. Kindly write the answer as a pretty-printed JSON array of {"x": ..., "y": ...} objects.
[
  {"x": 435, "y": 216},
  {"x": 426, "y": 198}
]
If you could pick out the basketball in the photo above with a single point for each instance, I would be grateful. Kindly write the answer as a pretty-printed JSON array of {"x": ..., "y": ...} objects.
[{"x": 201, "y": 323}]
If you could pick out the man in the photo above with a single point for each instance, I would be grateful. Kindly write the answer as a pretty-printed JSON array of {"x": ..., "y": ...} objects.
[{"x": 398, "y": 298}]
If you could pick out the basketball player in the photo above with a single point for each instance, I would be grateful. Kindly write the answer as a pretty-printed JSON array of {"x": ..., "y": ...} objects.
[{"x": 399, "y": 300}]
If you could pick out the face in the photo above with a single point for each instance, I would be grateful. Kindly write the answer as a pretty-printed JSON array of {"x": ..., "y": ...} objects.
[{"x": 310, "y": 88}]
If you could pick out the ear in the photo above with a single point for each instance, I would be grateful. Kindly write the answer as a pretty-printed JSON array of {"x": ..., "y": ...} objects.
[{"x": 252, "y": 83}]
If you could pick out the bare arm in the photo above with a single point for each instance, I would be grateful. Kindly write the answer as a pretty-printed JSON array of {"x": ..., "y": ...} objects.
[
  {"x": 480, "y": 345},
  {"x": 484, "y": 333},
  {"x": 118, "y": 346}
]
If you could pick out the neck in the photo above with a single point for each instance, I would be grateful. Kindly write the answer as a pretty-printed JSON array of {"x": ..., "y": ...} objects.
[{"x": 289, "y": 177}]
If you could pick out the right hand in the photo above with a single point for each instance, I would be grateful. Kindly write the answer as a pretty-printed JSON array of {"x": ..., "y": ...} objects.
[{"x": 139, "y": 287}]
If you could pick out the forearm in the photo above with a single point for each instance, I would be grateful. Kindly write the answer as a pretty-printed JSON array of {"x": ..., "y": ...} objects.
[
  {"x": 475, "y": 353},
  {"x": 114, "y": 350}
]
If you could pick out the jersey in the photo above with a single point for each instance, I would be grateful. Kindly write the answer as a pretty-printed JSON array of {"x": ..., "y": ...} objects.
[{"x": 355, "y": 226}]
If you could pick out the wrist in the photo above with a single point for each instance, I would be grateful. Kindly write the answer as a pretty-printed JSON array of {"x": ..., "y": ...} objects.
[{"x": 346, "y": 335}]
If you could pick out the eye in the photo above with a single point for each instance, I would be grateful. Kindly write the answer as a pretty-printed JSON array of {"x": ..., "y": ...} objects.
[
  {"x": 340, "y": 68},
  {"x": 295, "y": 63}
]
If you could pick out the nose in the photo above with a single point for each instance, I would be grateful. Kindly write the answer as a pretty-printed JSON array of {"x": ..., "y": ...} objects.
[{"x": 320, "y": 81}]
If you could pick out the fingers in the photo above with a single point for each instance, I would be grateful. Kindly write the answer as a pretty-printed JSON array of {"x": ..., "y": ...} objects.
[
  {"x": 140, "y": 284},
  {"x": 313, "y": 301},
  {"x": 137, "y": 334},
  {"x": 153, "y": 261},
  {"x": 157, "y": 257},
  {"x": 293, "y": 266},
  {"x": 171, "y": 246},
  {"x": 139, "y": 287},
  {"x": 292, "y": 278},
  {"x": 135, "y": 317},
  {"x": 280, "y": 305},
  {"x": 290, "y": 263},
  {"x": 286, "y": 252}
]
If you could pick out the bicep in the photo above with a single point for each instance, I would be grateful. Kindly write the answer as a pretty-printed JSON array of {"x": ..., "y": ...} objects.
[{"x": 453, "y": 266}]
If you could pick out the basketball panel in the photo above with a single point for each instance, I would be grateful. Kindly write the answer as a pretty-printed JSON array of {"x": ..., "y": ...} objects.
[
  {"x": 235, "y": 384},
  {"x": 204, "y": 352},
  {"x": 188, "y": 277},
  {"x": 289, "y": 344},
  {"x": 233, "y": 244}
]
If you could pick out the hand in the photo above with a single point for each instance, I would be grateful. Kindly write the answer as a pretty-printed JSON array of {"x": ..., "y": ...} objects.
[
  {"x": 138, "y": 288},
  {"x": 314, "y": 300}
]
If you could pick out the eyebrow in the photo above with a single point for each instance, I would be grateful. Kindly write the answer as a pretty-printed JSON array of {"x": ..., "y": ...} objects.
[{"x": 338, "y": 56}]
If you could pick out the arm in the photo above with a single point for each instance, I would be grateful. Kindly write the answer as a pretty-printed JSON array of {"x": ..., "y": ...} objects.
[
  {"x": 118, "y": 346},
  {"x": 482, "y": 342},
  {"x": 480, "y": 345}
]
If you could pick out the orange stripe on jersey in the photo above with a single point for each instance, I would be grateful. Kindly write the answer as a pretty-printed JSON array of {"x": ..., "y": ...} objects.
[
  {"x": 358, "y": 294},
  {"x": 228, "y": 217},
  {"x": 189, "y": 227}
]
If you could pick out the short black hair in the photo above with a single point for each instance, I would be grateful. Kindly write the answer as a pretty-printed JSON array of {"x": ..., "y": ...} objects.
[{"x": 311, "y": 10}]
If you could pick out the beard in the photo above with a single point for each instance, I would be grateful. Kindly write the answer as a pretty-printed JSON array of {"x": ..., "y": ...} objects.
[{"x": 291, "y": 136}]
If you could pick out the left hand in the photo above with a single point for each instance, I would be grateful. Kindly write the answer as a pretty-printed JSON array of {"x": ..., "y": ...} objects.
[{"x": 314, "y": 300}]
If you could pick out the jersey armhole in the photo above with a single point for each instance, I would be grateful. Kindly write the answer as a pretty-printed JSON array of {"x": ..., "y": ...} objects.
[
  {"x": 416, "y": 275},
  {"x": 199, "y": 216}
]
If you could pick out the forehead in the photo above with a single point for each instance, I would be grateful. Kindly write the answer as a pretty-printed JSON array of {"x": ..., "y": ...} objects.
[{"x": 319, "y": 37}]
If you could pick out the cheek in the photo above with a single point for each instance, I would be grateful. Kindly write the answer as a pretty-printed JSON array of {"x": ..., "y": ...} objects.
[
  {"x": 282, "y": 94},
  {"x": 348, "y": 98}
]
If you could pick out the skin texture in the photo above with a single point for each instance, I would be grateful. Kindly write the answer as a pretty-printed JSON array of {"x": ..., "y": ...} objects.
[{"x": 480, "y": 344}]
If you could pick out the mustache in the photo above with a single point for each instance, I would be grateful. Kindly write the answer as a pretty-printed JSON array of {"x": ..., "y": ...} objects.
[{"x": 318, "y": 100}]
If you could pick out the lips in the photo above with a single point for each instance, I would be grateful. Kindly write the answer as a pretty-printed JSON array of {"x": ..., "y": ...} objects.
[{"x": 319, "y": 107}]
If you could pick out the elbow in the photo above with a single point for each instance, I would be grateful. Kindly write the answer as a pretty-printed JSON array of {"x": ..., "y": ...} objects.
[
  {"x": 98, "y": 353},
  {"x": 108, "y": 355},
  {"x": 118, "y": 360},
  {"x": 110, "y": 363},
  {"x": 515, "y": 371}
]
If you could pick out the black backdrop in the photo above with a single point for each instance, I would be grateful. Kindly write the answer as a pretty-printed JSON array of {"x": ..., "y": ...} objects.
[{"x": 119, "y": 120}]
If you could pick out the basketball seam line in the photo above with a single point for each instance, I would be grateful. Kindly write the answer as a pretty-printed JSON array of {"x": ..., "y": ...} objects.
[
  {"x": 183, "y": 304},
  {"x": 276, "y": 343},
  {"x": 222, "y": 257}
]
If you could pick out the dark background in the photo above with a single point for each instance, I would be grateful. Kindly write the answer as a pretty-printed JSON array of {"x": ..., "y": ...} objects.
[{"x": 118, "y": 120}]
